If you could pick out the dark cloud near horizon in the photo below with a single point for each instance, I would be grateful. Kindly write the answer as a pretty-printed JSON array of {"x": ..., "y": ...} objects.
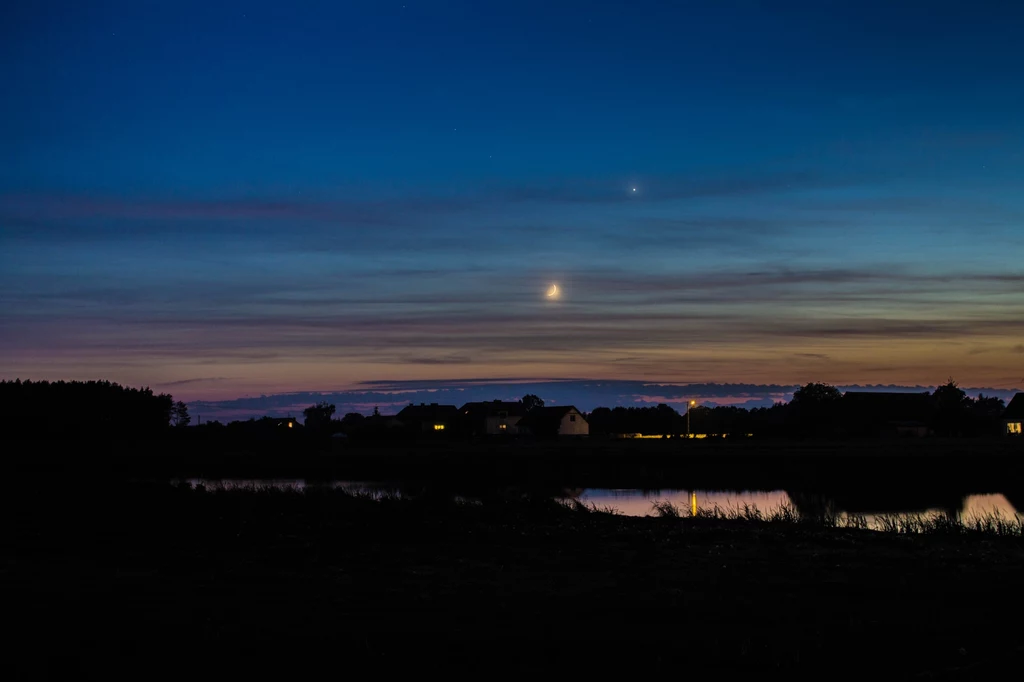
[{"x": 197, "y": 380}]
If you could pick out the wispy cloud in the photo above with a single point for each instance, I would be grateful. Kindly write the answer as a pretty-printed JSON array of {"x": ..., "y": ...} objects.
[
  {"x": 85, "y": 218},
  {"x": 198, "y": 380},
  {"x": 687, "y": 279},
  {"x": 443, "y": 360},
  {"x": 479, "y": 317}
]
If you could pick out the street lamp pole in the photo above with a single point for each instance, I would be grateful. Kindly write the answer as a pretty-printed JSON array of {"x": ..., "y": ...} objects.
[{"x": 688, "y": 408}]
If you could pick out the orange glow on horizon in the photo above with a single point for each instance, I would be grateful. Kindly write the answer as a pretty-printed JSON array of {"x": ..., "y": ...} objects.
[{"x": 222, "y": 375}]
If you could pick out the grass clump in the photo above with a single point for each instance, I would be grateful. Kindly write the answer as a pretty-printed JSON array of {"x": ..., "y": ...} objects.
[
  {"x": 946, "y": 524},
  {"x": 665, "y": 509}
]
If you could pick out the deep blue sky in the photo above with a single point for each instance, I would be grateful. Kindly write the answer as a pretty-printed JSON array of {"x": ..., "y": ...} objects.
[{"x": 250, "y": 197}]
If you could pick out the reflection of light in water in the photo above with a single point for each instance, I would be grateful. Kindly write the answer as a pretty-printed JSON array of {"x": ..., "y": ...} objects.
[
  {"x": 976, "y": 506},
  {"x": 634, "y": 502},
  {"x": 640, "y": 502},
  {"x": 244, "y": 483}
]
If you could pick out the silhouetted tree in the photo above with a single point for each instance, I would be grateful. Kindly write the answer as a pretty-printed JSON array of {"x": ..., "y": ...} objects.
[
  {"x": 988, "y": 406},
  {"x": 663, "y": 420},
  {"x": 950, "y": 397},
  {"x": 179, "y": 415},
  {"x": 951, "y": 405},
  {"x": 531, "y": 401},
  {"x": 318, "y": 417},
  {"x": 816, "y": 394},
  {"x": 351, "y": 422},
  {"x": 815, "y": 409},
  {"x": 74, "y": 409},
  {"x": 986, "y": 413}
]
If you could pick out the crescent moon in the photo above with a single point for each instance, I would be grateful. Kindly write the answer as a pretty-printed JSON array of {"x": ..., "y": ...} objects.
[{"x": 553, "y": 291}]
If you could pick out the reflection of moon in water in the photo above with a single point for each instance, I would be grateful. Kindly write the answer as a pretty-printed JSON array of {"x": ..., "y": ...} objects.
[{"x": 553, "y": 291}]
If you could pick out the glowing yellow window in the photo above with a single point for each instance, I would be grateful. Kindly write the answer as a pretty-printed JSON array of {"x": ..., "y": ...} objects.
[
  {"x": 439, "y": 427},
  {"x": 1013, "y": 427},
  {"x": 501, "y": 427}
]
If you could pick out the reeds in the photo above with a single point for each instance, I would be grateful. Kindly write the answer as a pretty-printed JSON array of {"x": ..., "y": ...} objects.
[{"x": 905, "y": 524}]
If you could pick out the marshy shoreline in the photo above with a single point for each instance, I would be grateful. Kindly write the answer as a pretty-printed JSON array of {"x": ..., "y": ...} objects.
[{"x": 101, "y": 577}]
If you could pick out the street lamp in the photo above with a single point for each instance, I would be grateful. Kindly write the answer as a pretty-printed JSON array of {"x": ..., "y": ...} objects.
[{"x": 688, "y": 408}]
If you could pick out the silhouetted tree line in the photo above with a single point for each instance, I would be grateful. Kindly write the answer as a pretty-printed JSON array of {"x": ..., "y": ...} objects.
[
  {"x": 817, "y": 410},
  {"x": 76, "y": 409},
  {"x": 820, "y": 410},
  {"x": 664, "y": 420},
  {"x": 268, "y": 431}
]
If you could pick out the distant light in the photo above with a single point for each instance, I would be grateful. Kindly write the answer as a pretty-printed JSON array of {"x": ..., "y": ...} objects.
[
  {"x": 290, "y": 425},
  {"x": 634, "y": 189}
]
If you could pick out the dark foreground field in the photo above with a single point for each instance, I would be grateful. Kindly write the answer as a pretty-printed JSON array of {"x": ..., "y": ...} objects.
[{"x": 153, "y": 580}]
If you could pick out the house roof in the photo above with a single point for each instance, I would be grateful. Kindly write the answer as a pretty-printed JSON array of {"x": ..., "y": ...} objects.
[
  {"x": 539, "y": 416},
  {"x": 890, "y": 405},
  {"x": 1016, "y": 407},
  {"x": 492, "y": 409},
  {"x": 425, "y": 412}
]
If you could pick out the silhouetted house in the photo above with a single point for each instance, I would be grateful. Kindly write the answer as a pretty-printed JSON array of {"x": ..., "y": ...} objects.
[
  {"x": 558, "y": 420},
  {"x": 432, "y": 418},
  {"x": 1013, "y": 418},
  {"x": 496, "y": 418},
  {"x": 382, "y": 422},
  {"x": 375, "y": 427},
  {"x": 880, "y": 413}
]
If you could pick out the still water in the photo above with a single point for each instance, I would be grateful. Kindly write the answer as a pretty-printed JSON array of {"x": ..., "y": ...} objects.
[
  {"x": 641, "y": 503},
  {"x": 634, "y": 502}
]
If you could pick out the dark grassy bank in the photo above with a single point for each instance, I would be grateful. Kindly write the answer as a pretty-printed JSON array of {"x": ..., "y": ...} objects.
[
  {"x": 148, "y": 580},
  {"x": 971, "y": 465}
]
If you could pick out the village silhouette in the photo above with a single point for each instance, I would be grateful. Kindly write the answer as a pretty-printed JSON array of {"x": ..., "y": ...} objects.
[{"x": 816, "y": 411}]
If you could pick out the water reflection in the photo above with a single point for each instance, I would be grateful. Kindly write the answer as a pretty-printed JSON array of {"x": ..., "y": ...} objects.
[
  {"x": 632, "y": 502},
  {"x": 869, "y": 505},
  {"x": 297, "y": 484}
]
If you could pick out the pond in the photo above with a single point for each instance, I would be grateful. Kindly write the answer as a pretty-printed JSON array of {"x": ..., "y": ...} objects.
[{"x": 871, "y": 506}]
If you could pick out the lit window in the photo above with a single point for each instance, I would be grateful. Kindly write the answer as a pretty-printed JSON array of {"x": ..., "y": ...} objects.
[
  {"x": 439, "y": 427},
  {"x": 1013, "y": 427},
  {"x": 501, "y": 427},
  {"x": 291, "y": 424}
]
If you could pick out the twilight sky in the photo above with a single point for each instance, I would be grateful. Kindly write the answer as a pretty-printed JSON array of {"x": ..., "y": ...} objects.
[{"x": 219, "y": 199}]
